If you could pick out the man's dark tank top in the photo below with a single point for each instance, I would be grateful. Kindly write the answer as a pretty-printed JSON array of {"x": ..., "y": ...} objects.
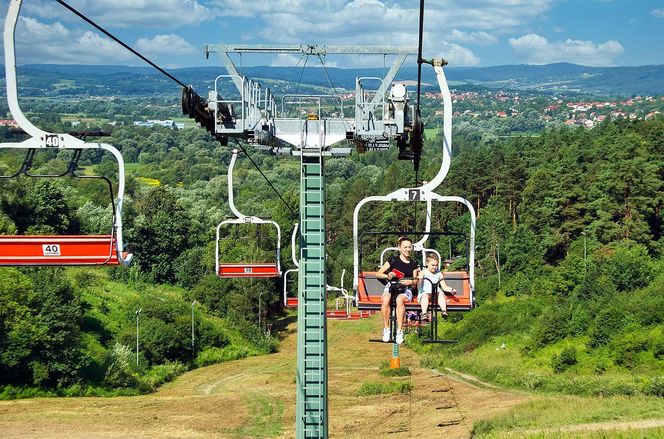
[{"x": 408, "y": 269}]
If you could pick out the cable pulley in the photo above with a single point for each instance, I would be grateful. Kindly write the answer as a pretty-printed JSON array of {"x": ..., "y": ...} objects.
[{"x": 194, "y": 106}]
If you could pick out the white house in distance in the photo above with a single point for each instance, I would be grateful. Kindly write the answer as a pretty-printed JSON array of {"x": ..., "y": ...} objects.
[{"x": 164, "y": 123}]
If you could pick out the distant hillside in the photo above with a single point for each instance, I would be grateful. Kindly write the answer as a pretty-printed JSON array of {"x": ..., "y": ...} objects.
[{"x": 51, "y": 80}]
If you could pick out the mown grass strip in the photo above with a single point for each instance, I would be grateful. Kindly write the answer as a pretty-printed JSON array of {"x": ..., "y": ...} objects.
[
  {"x": 384, "y": 388},
  {"x": 552, "y": 413}
]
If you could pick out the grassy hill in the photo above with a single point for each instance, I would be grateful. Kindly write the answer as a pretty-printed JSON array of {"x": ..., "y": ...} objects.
[{"x": 255, "y": 398}]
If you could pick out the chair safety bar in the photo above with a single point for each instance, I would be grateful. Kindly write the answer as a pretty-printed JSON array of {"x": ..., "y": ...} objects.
[
  {"x": 370, "y": 289},
  {"x": 85, "y": 250}
]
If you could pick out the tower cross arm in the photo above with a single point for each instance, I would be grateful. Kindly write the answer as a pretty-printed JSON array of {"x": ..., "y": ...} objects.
[{"x": 311, "y": 49}]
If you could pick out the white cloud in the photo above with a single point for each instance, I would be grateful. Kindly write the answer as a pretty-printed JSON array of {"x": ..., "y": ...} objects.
[
  {"x": 58, "y": 43},
  {"x": 538, "y": 50},
  {"x": 480, "y": 38},
  {"x": 163, "y": 14},
  {"x": 286, "y": 60},
  {"x": 41, "y": 43},
  {"x": 458, "y": 56},
  {"x": 296, "y": 21},
  {"x": 385, "y": 22},
  {"x": 657, "y": 13},
  {"x": 164, "y": 44}
]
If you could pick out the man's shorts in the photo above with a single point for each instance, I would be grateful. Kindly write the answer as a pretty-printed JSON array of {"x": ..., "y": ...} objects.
[{"x": 406, "y": 290}]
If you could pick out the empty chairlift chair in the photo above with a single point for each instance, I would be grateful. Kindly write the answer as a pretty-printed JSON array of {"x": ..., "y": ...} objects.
[
  {"x": 55, "y": 250},
  {"x": 263, "y": 269}
]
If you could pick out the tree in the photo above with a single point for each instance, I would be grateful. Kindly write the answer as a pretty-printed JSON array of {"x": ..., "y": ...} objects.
[{"x": 161, "y": 234}]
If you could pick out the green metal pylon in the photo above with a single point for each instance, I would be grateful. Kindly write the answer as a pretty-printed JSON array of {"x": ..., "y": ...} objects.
[{"x": 311, "y": 378}]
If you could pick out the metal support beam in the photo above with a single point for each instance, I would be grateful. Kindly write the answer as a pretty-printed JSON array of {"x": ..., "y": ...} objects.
[
  {"x": 387, "y": 81},
  {"x": 310, "y": 49},
  {"x": 311, "y": 379}
]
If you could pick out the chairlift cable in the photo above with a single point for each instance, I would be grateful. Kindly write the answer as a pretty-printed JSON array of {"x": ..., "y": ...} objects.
[
  {"x": 334, "y": 87},
  {"x": 117, "y": 40},
  {"x": 327, "y": 75},
  {"x": 304, "y": 66},
  {"x": 292, "y": 211}
]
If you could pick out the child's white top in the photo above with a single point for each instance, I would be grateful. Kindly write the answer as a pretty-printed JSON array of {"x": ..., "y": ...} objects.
[{"x": 434, "y": 278}]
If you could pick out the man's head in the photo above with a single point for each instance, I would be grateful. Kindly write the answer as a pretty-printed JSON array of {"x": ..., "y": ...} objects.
[{"x": 405, "y": 246}]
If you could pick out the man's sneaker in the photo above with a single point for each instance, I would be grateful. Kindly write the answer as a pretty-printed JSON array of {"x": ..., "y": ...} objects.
[
  {"x": 399, "y": 339},
  {"x": 386, "y": 334}
]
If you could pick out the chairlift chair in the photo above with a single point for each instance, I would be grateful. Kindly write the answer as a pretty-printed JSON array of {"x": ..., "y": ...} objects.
[
  {"x": 289, "y": 301},
  {"x": 56, "y": 250},
  {"x": 370, "y": 288},
  {"x": 367, "y": 287},
  {"x": 245, "y": 269}
]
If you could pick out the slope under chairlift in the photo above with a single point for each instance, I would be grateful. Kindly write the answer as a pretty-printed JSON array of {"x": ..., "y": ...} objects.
[
  {"x": 245, "y": 269},
  {"x": 56, "y": 250},
  {"x": 367, "y": 287}
]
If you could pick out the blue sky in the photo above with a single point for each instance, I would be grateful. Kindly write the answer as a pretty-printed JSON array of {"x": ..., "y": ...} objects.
[{"x": 466, "y": 32}]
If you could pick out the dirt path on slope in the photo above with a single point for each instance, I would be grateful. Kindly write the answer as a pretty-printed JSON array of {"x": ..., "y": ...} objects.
[{"x": 255, "y": 398}]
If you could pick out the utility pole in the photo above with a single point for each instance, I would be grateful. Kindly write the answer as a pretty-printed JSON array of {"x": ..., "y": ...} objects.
[
  {"x": 260, "y": 303},
  {"x": 138, "y": 312},
  {"x": 498, "y": 262},
  {"x": 193, "y": 350}
]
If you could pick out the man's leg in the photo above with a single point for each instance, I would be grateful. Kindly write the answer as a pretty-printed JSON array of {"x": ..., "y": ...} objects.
[
  {"x": 401, "y": 310},
  {"x": 385, "y": 309}
]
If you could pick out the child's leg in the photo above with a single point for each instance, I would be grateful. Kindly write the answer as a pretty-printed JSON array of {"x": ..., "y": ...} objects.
[
  {"x": 442, "y": 303},
  {"x": 424, "y": 302}
]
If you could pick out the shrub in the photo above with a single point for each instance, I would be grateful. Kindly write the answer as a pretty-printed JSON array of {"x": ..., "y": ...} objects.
[
  {"x": 381, "y": 388},
  {"x": 656, "y": 386},
  {"x": 163, "y": 373},
  {"x": 628, "y": 347},
  {"x": 630, "y": 267},
  {"x": 385, "y": 370},
  {"x": 608, "y": 322},
  {"x": 564, "y": 360},
  {"x": 121, "y": 371},
  {"x": 553, "y": 326},
  {"x": 219, "y": 355}
]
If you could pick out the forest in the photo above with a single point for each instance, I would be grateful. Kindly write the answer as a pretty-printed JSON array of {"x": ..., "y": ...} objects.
[{"x": 569, "y": 258}]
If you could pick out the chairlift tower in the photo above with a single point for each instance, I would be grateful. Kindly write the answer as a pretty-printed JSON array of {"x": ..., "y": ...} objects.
[{"x": 255, "y": 117}]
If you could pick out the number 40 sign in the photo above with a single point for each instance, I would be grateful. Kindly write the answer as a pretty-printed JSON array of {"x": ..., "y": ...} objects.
[{"x": 51, "y": 249}]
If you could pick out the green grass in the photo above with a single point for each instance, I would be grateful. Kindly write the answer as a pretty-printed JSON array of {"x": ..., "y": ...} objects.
[
  {"x": 511, "y": 367},
  {"x": 646, "y": 433},
  {"x": 431, "y": 133},
  {"x": 384, "y": 387},
  {"x": 386, "y": 371},
  {"x": 9, "y": 392},
  {"x": 550, "y": 413},
  {"x": 266, "y": 419}
]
